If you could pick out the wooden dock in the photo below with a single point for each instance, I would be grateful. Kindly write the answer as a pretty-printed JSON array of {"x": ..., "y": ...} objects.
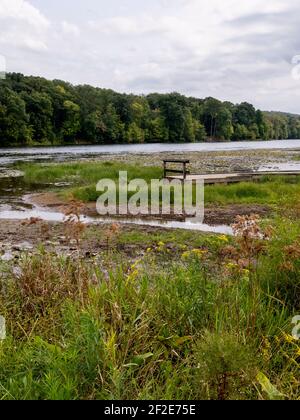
[{"x": 229, "y": 178}]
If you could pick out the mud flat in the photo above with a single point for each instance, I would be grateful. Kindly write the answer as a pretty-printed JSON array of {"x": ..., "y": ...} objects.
[{"x": 212, "y": 162}]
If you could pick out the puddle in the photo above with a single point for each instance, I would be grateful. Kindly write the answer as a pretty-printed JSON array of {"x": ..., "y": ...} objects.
[
  {"x": 54, "y": 216},
  {"x": 187, "y": 225}
]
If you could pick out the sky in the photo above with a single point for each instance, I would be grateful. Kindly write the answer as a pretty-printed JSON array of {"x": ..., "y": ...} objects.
[{"x": 235, "y": 50}]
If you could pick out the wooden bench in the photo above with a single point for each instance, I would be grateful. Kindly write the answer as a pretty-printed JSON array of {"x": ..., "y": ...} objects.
[{"x": 182, "y": 171}]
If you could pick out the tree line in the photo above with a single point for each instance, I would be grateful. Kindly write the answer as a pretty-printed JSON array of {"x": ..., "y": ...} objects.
[{"x": 34, "y": 110}]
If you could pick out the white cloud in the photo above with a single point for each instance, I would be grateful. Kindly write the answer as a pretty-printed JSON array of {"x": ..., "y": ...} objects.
[
  {"x": 70, "y": 29},
  {"x": 233, "y": 49},
  {"x": 22, "y": 26},
  {"x": 23, "y": 11}
]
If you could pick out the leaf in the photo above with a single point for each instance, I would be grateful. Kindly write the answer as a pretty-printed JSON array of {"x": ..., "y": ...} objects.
[
  {"x": 181, "y": 340},
  {"x": 175, "y": 341},
  {"x": 269, "y": 388},
  {"x": 138, "y": 360}
]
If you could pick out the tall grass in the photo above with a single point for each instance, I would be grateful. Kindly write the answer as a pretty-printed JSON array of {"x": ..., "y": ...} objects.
[{"x": 178, "y": 323}]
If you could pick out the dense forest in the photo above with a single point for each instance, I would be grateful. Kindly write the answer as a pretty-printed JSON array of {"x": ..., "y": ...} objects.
[{"x": 34, "y": 110}]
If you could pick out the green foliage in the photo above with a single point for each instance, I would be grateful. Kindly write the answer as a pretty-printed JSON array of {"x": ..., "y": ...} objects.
[
  {"x": 14, "y": 128},
  {"x": 35, "y": 110},
  {"x": 174, "y": 324},
  {"x": 226, "y": 363}
]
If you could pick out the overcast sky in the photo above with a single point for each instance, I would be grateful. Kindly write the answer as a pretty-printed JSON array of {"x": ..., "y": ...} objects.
[{"x": 237, "y": 50}]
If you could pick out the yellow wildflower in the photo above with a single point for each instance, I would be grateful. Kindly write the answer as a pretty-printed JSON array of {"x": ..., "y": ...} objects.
[
  {"x": 133, "y": 275},
  {"x": 199, "y": 252},
  {"x": 185, "y": 255},
  {"x": 133, "y": 267},
  {"x": 231, "y": 266},
  {"x": 288, "y": 338},
  {"x": 223, "y": 238}
]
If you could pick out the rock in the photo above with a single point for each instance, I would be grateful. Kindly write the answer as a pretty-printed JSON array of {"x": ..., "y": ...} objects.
[
  {"x": 7, "y": 256},
  {"x": 23, "y": 246},
  {"x": 10, "y": 173}
]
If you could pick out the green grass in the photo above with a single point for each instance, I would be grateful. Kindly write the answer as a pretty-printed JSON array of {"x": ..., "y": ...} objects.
[
  {"x": 84, "y": 173},
  {"x": 178, "y": 323},
  {"x": 273, "y": 190},
  {"x": 83, "y": 177}
]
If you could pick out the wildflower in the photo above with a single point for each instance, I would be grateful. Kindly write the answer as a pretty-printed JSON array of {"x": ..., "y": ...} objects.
[
  {"x": 223, "y": 238},
  {"x": 161, "y": 244},
  {"x": 288, "y": 338},
  {"x": 199, "y": 252},
  {"x": 185, "y": 255},
  {"x": 132, "y": 275},
  {"x": 149, "y": 250},
  {"x": 133, "y": 267},
  {"x": 231, "y": 266}
]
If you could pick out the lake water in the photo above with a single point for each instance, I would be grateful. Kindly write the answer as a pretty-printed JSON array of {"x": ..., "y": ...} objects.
[{"x": 11, "y": 155}]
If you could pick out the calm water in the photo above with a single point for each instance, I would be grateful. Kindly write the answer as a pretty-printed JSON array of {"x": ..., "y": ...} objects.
[{"x": 8, "y": 156}]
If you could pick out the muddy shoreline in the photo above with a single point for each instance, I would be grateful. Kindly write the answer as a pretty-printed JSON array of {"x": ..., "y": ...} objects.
[
  {"x": 205, "y": 162},
  {"x": 214, "y": 215},
  {"x": 18, "y": 237}
]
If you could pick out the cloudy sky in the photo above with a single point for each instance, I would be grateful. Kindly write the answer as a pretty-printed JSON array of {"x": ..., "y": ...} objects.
[{"x": 235, "y": 50}]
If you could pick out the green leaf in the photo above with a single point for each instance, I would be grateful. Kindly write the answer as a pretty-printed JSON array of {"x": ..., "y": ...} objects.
[
  {"x": 271, "y": 391},
  {"x": 139, "y": 360}
]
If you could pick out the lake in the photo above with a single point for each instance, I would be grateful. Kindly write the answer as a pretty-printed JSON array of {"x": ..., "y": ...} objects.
[{"x": 61, "y": 153}]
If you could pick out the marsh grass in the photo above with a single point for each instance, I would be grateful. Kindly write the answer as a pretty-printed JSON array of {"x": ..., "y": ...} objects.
[
  {"x": 272, "y": 190},
  {"x": 276, "y": 191}
]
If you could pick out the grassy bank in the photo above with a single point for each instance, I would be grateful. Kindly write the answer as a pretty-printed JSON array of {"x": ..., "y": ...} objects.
[
  {"x": 276, "y": 191},
  {"x": 156, "y": 314},
  {"x": 208, "y": 320}
]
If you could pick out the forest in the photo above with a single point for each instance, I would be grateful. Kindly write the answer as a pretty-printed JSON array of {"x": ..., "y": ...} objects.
[{"x": 36, "y": 111}]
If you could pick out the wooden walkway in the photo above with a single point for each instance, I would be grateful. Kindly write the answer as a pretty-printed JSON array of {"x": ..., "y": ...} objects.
[{"x": 229, "y": 178}]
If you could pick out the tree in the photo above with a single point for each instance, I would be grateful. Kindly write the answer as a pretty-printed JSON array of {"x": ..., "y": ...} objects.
[
  {"x": 71, "y": 124},
  {"x": 245, "y": 114},
  {"x": 224, "y": 127},
  {"x": 14, "y": 128},
  {"x": 199, "y": 129},
  {"x": 157, "y": 130},
  {"x": 114, "y": 129},
  {"x": 211, "y": 110},
  {"x": 241, "y": 132},
  {"x": 135, "y": 134},
  {"x": 40, "y": 111},
  {"x": 189, "y": 128},
  {"x": 94, "y": 127}
]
